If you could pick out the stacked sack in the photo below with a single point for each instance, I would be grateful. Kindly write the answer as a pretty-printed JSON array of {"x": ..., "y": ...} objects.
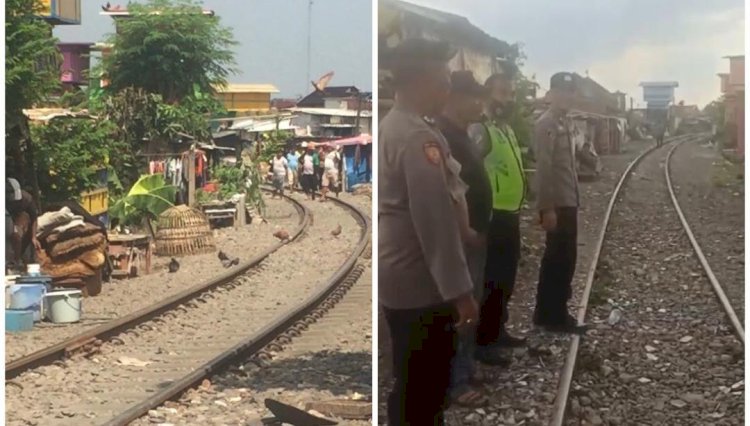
[{"x": 73, "y": 251}]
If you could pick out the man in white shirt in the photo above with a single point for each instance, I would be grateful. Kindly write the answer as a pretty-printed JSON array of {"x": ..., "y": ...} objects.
[
  {"x": 330, "y": 172},
  {"x": 280, "y": 169}
]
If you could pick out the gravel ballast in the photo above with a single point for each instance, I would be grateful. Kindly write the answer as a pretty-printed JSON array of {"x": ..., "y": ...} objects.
[
  {"x": 711, "y": 192},
  {"x": 122, "y": 297},
  {"x": 89, "y": 391},
  {"x": 662, "y": 350}
]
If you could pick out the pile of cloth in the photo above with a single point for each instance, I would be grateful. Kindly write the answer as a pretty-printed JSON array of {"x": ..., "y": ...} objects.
[{"x": 73, "y": 251}]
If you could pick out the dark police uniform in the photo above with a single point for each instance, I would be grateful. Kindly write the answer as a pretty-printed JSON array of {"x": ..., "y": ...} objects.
[{"x": 556, "y": 188}]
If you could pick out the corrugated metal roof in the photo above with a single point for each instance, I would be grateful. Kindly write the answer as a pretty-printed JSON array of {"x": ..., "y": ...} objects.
[
  {"x": 333, "y": 111},
  {"x": 47, "y": 114},
  {"x": 260, "y": 126},
  {"x": 247, "y": 88}
]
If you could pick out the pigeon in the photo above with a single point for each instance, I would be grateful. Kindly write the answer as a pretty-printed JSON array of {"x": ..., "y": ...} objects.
[
  {"x": 223, "y": 256},
  {"x": 336, "y": 231},
  {"x": 282, "y": 234},
  {"x": 174, "y": 266}
]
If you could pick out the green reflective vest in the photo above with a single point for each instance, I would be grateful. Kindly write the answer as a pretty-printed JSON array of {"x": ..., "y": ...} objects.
[{"x": 505, "y": 169}]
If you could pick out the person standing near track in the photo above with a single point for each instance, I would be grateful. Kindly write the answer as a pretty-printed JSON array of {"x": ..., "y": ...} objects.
[
  {"x": 557, "y": 202},
  {"x": 292, "y": 158},
  {"x": 330, "y": 172},
  {"x": 499, "y": 148},
  {"x": 307, "y": 171},
  {"x": 425, "y": 288},
  {"x": 463, "y": 108},
  {"x": 318, "y": 158},
  {"x": 280, "y": 170},
  {"x": 20, "y": 222}
]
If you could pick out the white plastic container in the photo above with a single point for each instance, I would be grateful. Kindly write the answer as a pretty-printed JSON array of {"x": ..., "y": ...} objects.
[
  {"x": 64, "y": 306},
  {"x": 33, "y": 269}
]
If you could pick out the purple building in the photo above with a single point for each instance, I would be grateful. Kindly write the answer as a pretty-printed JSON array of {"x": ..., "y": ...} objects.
[{"x": 75, "y": 65}]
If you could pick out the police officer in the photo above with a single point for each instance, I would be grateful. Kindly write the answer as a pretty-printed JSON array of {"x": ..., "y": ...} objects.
[
  {"x": 424, "y": 284},
  {"x": 465, "y": 107},
  {"x": 557, "y": 202},
  {"x": 499, "y": 148}
]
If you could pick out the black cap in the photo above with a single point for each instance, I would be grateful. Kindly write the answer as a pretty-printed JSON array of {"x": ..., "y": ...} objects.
[
  {"x": 418, "y": 51},
  {"x": 562, "y": 81},
  {"x": 463, "y": 82}
]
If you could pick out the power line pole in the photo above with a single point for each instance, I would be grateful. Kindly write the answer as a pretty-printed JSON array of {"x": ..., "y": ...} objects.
[{"x": 309, "y": 39}]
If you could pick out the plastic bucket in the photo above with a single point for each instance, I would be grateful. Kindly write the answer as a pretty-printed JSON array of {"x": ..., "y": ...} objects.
[
  {"x": 28, "y": 297},
  {"x": 18, "y": 320},
  {"x": 64, "y": 306}
]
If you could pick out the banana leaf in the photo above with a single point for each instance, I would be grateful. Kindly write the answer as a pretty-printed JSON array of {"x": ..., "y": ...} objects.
[{"x": 150, "y": 196}]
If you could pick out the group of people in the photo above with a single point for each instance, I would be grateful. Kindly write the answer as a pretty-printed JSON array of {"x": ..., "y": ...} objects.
[
  {"x": 451, "y": 187},
  {"x": 311, "y": 170}
]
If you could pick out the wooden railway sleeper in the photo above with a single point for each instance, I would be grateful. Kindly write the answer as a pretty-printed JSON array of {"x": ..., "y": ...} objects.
[{"x": 86, "y": 347}]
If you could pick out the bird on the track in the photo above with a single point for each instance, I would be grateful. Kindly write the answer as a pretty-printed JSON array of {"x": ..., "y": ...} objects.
[
  {"x": 174, "y": 265},
  {"x": 223, "y": 256},
  {"x": 106, "y": 7},
  {"x": 336, "y": 231},
  {"x": 282, "y": 234}
]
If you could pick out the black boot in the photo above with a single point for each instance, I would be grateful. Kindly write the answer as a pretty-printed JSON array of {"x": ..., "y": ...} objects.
[
  {"x": 508, "y": 341},
  {"x": 567, "y": 325}
]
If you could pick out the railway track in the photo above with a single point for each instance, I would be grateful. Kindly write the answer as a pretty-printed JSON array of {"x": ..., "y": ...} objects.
[
  {"x": 593, "y": 359},
  {"x": 179, "y": 342},
  {"x": 91, "y": 339}
]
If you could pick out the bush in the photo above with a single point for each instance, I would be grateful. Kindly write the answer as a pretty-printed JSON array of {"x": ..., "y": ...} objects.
[{"x": 69, "y": 154}]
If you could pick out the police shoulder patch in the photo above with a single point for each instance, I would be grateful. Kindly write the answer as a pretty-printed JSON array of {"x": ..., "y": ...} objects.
[{"x": 433, "y": 153}]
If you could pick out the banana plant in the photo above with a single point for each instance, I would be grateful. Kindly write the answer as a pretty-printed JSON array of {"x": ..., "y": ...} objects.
[{"x": 149, "y": 197}]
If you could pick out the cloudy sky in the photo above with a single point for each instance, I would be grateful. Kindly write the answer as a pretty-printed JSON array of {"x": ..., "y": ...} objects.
[
  {"x": 619, "y": 42},
  {"x": 272, "y": 36}
]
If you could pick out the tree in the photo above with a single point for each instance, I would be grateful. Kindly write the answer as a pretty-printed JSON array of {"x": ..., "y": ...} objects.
[
  {"x": 32, "y": 73},
  {"x": 32, "y": 61},
  {"x": 167, "y": 47},
  {"x": 69, "y": 154}
]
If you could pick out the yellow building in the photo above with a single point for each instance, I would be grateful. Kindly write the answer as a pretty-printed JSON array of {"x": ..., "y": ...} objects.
[
  {"x": 61, "y": 12},
  {"x": 241, "y": 98}
]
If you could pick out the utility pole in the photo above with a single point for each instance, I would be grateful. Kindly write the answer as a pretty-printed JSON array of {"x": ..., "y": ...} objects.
[
  {"x": 309, "y": 39},
  {"x": 359, "y": 113}
]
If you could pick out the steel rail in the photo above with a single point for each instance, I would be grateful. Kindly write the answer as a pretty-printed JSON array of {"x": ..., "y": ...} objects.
[
  {"x": 723, "y": 299},
  {"x": 566, "y": 374},
  {"x": 61, "y": 350},
  {"x": 258, "y": 340}
]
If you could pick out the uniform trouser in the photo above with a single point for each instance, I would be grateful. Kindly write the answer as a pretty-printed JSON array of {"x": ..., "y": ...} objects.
[
  {"x": 558, "y": 267},
  {"x": 463, "y": 363},
  {"x": 423, "y": 345},
  {"x": 503, "y": 253}
]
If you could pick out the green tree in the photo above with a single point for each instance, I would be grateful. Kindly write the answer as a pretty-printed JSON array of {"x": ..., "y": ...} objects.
[
  {"x": 167, "y": 47},
  {"x": 32, "y": 73},
  {"x": 32, "y": 61},
  {"x": 69, "y": 154}
]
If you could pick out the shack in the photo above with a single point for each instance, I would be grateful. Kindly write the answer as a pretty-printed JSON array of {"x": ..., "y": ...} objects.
[
  {"x": 357, "y": 160},
  {"x": 477, "y": 51}
]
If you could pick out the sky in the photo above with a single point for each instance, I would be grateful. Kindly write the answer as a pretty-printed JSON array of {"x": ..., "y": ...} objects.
[
  {"x": 619, "y": 42},
  {"x": 272, "y": 36}
]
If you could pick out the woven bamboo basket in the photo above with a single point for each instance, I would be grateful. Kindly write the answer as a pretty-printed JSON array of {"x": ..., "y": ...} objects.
[{"x": 183, "y": 230}]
